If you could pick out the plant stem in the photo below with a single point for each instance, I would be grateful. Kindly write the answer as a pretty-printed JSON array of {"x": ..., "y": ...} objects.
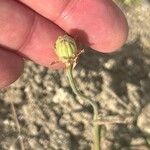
[{"x": 96, "y": 127}]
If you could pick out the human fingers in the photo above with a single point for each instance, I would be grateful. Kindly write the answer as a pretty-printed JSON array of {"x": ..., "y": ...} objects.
[
  {"x": 34, "y": 36},
  {"x": 27, "y": 33},
  {"x": 99, "y": 24},
  {"x": 11, "y": 67}
]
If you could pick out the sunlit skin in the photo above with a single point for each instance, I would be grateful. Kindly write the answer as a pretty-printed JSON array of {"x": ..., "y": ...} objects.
[{"x": 29, "y": 28}]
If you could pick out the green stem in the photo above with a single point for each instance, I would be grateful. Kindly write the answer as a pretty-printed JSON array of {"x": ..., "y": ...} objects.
[{"x": 96, "y": 128}]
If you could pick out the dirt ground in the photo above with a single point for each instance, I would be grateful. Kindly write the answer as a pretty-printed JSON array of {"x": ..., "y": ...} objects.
[{"x": 51, "y": 117}]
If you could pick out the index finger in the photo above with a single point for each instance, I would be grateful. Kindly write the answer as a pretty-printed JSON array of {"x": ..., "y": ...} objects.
[{"x": 99, "y": 24}]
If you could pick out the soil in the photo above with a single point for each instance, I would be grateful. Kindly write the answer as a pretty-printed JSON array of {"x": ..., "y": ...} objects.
[{"x": 51, "y": 117}]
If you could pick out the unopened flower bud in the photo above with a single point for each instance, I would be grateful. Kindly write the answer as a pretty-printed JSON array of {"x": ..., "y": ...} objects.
[{"x": 66, "y": 48}]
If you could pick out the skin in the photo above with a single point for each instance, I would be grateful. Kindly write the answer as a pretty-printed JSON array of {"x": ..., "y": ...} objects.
[{"x": 29, "y": 29}]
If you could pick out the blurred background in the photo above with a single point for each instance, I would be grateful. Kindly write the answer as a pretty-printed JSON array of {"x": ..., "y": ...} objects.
[{"x": 51, "y": 117}]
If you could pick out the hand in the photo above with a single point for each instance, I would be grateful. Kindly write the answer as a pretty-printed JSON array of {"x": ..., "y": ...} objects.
[{"x": 29, "y": 28}]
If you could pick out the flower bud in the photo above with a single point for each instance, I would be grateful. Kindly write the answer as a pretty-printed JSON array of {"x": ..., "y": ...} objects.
[{"x": 66, "y": 48}]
